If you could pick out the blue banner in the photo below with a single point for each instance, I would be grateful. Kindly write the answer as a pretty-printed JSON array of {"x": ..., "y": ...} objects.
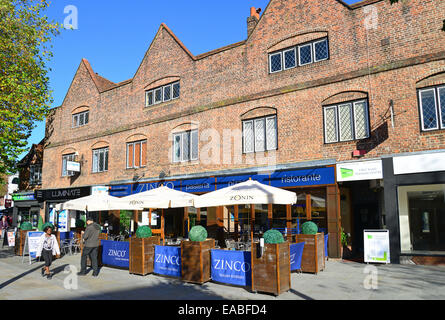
[
  {"x": 233, "y": 267},
  {"x": 129, "y": 189},
  {"x": 198, "y": 185},
  {"x": 168, "y": 261},
  {"x": 296, "y": 254},
  {"x": 116, "y": 253},
  {"x": 307, "y": 177}
]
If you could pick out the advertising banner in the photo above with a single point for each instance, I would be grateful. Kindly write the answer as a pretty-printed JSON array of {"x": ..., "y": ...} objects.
[
  {"x": 296, "y": 254},
  {"x": 233, "y": 267},
  {"x": 33, "y": 242},
  {"x": 116, "y": 253},
  {"x": 168, "y": 261},
  {"x": 307, "y": 177},
  {"x": 376, "y": 246},
  {"x": 360, "y": 170},
  {"x": 63, "y": 221},
  {"x": 11, "y": 238}
]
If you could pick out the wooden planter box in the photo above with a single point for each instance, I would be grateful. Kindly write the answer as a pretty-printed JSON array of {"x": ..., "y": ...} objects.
[
  {"x": 313, "y": 252},
  {"x": 195, "y": 260},
  {"x": 271, "y": 272},
  {"x": 142, "y": 252}
]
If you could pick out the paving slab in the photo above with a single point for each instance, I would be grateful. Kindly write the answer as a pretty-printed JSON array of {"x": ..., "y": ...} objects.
[{"x": 341, "y": 280}]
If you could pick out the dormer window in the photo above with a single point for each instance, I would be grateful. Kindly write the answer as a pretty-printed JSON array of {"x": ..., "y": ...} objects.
[
  {"x": 80, "y": 119},
  {"x": 300, "y": 55},
  {"x": 162, "y": 94}
]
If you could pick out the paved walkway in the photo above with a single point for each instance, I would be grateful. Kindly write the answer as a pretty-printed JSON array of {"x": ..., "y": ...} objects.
[{"x": 340, "y": 281}]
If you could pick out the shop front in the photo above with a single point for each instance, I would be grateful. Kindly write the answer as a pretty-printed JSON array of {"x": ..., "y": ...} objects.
[
  {"x": 26, "y": 208},
  {"x": 361, "y": 203},
  {"x": 316, "y": 190},
  {"x": 415, "y": 205}
]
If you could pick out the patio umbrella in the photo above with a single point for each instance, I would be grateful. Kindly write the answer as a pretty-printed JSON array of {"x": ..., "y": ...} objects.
[
  {"x": 249, "y": 192},
  {"x": 99, "y": 202},
  {"x": 161, "y": 198}
]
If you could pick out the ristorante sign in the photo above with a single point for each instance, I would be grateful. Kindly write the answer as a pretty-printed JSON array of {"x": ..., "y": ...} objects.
[{"x": 62, "y": 194}]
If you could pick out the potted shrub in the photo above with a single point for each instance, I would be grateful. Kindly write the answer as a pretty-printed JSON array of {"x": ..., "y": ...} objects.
[
  {"x": 313, "y": 253},
  {"x": 24, "y": 228},
  {"x": 142, "y": 251},
  {"x": 195, "y": 256},
  {"x": 271, "y": 267}
]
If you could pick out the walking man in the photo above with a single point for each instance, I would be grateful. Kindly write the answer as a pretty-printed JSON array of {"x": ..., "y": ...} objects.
[{"x": 91, "y": 244}]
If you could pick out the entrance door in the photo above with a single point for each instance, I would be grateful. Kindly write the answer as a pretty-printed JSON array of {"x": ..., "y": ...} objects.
[{"x": 174, "y": 222}]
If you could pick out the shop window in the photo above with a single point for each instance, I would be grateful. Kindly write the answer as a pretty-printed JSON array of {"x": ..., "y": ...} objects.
[
  {"x": 136, "y": 154},
  {"x": 346, "y": 122},
  {"x": 100, "y": 160},
  {"x": 432, "y": 108}
]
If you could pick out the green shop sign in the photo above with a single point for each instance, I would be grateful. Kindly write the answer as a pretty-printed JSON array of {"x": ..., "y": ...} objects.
[{"x": 23, "y": 197}]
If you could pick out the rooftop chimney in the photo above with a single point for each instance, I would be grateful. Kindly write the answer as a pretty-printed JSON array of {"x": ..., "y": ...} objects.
[{"x": 252, "y": 21}]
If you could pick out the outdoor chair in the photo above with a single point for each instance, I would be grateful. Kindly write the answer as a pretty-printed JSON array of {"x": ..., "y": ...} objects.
[
  {"x": 75, "y": 245},
  {"x": 65, "y": 247},
  {"x": 230, "y": 244}
]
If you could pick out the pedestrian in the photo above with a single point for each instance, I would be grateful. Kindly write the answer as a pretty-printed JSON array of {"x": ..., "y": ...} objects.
[
  {"x": 47, "y": 248},
  {"x": 4, "y": 225},
  {"x": 91, "y": 242}
]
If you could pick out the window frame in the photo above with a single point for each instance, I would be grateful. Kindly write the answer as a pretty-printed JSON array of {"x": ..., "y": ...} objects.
[
  {"x": 299, "y": 54},
  {"x": 32, "y": 172},
  {"x": 327, "y": 45},
  {"x": 162, "y": 89},
  {"x": 181, "y": 146},
  {"x": 354, "y": 122},
  {"x": 253, "y": 121},
  {"x": 294, "y": 49},
  {"x": 75, "y": 119},
  {"x": 105, "y": 151},
  {"x": 133, "y": 143},
  {"x": 69, "y": 157},
  {"x": 270, "y": 61},
  {"x": 438, "y": 107}
]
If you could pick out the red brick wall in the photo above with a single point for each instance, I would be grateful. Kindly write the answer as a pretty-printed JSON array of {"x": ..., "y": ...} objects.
[{"x": 218, "y": 88}]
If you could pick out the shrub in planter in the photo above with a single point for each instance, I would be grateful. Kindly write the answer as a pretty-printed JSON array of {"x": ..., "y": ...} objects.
[
  {"x": 26, "y": 226},
  {"x": 309, "y": 228},
  {"x": 80, "y": 223},
  {"x": 313, "y": 253},
  {"x": 142, "y": 251},
  {"x": 195, "y": 256},
  {"x": 273, "y": 236},
  {"x": 271, "y": 267}
]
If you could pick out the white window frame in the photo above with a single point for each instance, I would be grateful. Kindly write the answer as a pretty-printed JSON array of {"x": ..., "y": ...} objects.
[
  {"x": 76, "y": 119},
  {"x": 32, "y": 174},
  {"x": 436, "y": 105},
  {"x": 314, "y": 53},
  {"x": 354, "y": 122},
  {"x": 163, "y": 92},
  {"x": 336, "y": 124},
  {"x": 66, "y": 158},
  {"x": 439, "y": 106},
  {"x": 270, "y": 61},
  {"x": 181, "y": 146},
  {"x": 147, "y": 103},
  {"x": 299, "y": 54},
  {"x": 162, "y": 95},
  {"x": 351, "y": 117},
  {"x": 141, "y": 142},
  {"x": 294, "y": 49},
  {"x": 172, "y": 90},
  {"x": 253, "y": 122},
  {"x": 105, "y": 151}
]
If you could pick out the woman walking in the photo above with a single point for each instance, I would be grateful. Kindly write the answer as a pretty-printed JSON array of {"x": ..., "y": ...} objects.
[{"x": 48, "y": 247}]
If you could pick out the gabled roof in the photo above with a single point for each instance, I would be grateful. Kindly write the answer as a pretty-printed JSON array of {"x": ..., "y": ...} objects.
[{"x": 101, "y": 83}]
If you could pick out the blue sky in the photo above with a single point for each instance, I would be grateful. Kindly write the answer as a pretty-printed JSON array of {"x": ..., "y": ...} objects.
[{"x": 114, "y": 35}]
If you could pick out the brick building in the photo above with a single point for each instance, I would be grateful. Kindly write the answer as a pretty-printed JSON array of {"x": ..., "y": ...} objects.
[{"x": 315, "y": 85}]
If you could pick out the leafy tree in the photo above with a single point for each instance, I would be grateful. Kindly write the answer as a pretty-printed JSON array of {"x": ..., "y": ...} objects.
[
  {"x": 25, "y": 35},
  {"x": 396, "y": 1}
]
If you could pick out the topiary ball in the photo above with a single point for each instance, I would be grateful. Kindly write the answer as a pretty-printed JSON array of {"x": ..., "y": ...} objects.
[
  {"x": 198, "y": 233},
  {"x": 80, "y": 223},
  {"x": 309, "y": 228},
  {"x": 26, "y": 226},
  {"x": 273, "y": 236},
  {"x": 48, "y": 224},
  {"x": 143, "y": 232}
]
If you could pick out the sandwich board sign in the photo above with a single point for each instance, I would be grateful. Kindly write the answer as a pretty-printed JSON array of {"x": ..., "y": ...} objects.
[
  {"x": 11, "y": 238},
  {"x": 31, "y": 244},
  {"x": 376, "y": 246}
]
